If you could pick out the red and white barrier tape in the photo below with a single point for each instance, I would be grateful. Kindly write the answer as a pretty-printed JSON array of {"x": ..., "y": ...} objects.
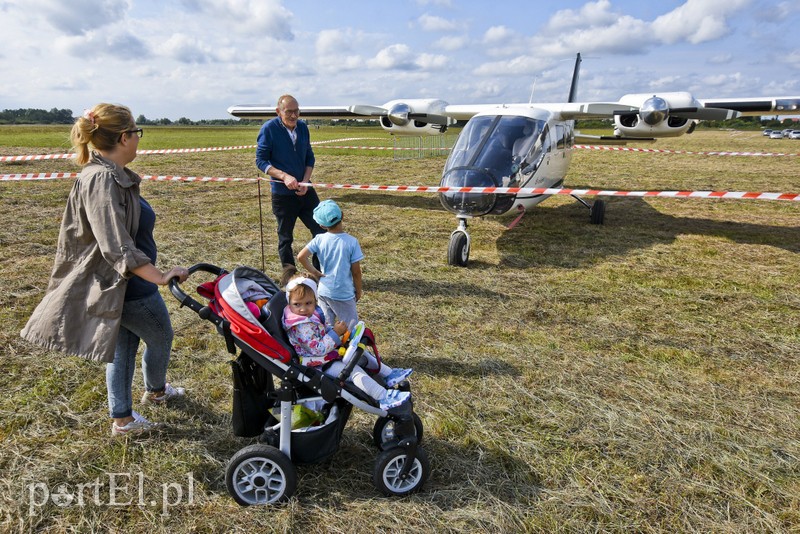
[
  {"x": 318, "y": 144},
  {"x": 736, "y": 195},
  {"x": 687, "y": 152},
  {"x": 184, "y": 150}
]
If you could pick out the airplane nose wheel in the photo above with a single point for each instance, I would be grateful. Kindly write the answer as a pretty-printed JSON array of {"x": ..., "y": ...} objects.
[
  {"x": 597, "y": 212},
  {"x": 458, "y": 251},
  {"x": 597, "y": 209}
]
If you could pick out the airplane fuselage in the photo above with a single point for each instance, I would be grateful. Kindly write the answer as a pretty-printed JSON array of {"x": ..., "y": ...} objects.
[{"x": 507, "y": 147}]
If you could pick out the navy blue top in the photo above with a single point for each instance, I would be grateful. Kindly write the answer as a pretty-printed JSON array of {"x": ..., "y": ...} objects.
[
  {"x": 275, "y": 148},
  {"x": 138, "y": 287}
]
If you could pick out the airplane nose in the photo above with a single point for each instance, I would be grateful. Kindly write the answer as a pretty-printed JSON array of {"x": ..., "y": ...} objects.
[
  {"x": 654, "y": 111},
  {"x": 398, "y": 115},
  {"x": 472, "y": 204}
]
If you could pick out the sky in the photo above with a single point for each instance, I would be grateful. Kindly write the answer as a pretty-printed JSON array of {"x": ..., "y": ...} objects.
[{"x": 195, "y": 58}]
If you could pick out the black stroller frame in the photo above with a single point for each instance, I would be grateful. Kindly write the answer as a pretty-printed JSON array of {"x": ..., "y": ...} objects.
[{"x": 265, "y": 473}]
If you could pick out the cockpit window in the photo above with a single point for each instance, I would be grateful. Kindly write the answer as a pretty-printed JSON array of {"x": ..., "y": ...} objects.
[{"x": 498, "y": 144}]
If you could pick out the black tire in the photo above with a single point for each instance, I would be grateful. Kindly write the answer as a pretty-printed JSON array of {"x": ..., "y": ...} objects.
[
  {"x": 383, "y": 432},
  {"x": 598, "y": 212},
  {"x": 458, "y": 251},
  {"x": 260, "y": 474},
  {"x": 387, "y": 469}
]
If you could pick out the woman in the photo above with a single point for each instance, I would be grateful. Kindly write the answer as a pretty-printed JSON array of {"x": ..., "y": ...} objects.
[{"x": 103, "y": 296}]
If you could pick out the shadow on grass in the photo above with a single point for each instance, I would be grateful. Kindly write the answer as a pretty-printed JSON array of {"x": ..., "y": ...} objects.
[
  {"x": 394, "y": 200},
  {"x": 562, "y": 236},
  {"x": 447, "y": 366},
  {"x": 419, "y": 287}
]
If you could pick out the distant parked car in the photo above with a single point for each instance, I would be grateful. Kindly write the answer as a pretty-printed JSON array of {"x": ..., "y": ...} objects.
[
  {"x": 787, "y": 131},
  {"x": 795, "y": 134},
  {"x": 776, "y": 134},
  {"x": 766, "y": 132}
]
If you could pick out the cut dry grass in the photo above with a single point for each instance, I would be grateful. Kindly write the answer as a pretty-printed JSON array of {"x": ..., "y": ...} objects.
[{"x": 638, "y": 376}]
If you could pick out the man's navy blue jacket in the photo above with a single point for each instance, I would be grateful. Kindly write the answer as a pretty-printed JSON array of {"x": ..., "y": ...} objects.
[{"x": 275, "y": 148}]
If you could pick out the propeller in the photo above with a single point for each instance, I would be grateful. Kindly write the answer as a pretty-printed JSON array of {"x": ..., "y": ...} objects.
[
  {"x": 655, "y": 110},
  {"x": 401, "y": 115}
]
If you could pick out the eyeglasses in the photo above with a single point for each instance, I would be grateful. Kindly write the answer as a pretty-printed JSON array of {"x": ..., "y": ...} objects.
[
  {"x": 137, "y": 131},
  {"x": 292, "y": 111}
]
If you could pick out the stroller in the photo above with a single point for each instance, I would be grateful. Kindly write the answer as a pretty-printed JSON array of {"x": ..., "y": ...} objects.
[{"x": 302, "y": 420}]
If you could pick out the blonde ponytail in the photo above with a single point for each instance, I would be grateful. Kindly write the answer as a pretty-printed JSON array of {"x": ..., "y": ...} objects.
[{"x": 100, "y": 128}]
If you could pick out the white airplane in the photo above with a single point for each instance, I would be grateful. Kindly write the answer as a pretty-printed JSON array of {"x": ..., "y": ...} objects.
[{"x": 530, "y": 145}]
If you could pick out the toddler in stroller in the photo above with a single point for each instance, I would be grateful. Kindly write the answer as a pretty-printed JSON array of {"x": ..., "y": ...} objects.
[
  {"x": 316, "y": 344},
  {"x": 247, "y": 307}
]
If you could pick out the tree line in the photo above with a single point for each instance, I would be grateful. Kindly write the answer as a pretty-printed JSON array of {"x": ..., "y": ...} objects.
[
  {"x": 36, "y": 116},
  {"x": 64, "y": 116}
]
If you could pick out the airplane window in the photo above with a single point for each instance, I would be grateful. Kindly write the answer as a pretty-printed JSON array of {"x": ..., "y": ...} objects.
[
  {"x": 470, "y": 141},
  {"x": 497, "y": 144}
]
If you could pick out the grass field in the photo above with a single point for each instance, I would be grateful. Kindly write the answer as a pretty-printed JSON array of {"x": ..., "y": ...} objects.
[{"x": 640, "y": 376}]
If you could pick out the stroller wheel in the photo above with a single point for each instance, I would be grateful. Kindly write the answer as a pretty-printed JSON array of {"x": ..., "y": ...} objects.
[
  {"x": 260, "y": 474},
  {"x": 389, "y": 466},
  {"x": 384, "y": 436}
]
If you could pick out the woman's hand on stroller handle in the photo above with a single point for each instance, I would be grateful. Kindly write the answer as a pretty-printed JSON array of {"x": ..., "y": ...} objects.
[{"x": 183, "y": 298}]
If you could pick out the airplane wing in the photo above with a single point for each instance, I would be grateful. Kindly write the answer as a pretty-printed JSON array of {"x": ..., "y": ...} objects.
[
  {"x": 779, "y": 105},
  {"x": 256, "y": 112}
]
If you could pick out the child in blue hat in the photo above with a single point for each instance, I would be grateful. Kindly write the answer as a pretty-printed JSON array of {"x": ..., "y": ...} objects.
[{"x": 340, "y": 256}]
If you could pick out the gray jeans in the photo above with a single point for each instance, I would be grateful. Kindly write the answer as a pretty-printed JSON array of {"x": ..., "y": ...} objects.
[
  {"x": 343, "y": 310},
  {"x": 145, "y": 319}
]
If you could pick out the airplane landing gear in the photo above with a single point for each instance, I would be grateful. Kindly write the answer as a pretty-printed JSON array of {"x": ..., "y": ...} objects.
[
  {"x": 458, "y": 251},
  {"x": 597, "y": 209}
]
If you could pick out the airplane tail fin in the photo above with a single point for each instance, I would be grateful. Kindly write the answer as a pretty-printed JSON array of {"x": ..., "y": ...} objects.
[{"x": 573, "y": 90}]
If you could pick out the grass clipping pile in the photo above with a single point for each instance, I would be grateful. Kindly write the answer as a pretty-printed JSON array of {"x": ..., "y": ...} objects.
[{"x": 640, "y": 375}]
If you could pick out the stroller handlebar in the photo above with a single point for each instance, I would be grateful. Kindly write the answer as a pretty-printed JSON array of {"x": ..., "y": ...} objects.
[
  {"x": 183, "y": 298},
  {"x": 354, "y": 352}
]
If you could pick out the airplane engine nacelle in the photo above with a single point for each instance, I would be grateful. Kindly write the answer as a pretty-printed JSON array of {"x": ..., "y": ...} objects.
[
  {"x": 415, "y": 117},
  {"x": 654, "y": 118}
]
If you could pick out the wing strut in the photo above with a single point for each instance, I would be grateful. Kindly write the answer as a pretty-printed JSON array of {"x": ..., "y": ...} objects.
[{"x": 573, "y": 90}]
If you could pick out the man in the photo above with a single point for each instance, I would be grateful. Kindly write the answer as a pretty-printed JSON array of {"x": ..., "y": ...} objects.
[{"x": 284, "y": 154}]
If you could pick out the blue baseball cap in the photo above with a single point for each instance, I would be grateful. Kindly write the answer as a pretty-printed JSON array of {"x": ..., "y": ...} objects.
[{"x": 328, "y": 214}]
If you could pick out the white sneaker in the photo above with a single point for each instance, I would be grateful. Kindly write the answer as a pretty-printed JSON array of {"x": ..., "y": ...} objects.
[
  {"x": 393, "y": 398},
  {"x": 139, "y": 425},
  {"x": 397, "y": 376},
  {"x": 169, "y": 393}
]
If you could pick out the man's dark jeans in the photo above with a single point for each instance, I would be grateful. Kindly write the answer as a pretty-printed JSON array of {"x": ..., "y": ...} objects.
[{"x": 287, "y": 209}]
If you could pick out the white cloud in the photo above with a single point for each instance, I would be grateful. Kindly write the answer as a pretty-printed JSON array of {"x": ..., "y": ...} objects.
[
  {"x": 665, "y": 83},
  {"x": 721, "y": 59},
  {"x": 440, "y": 3},
  {"x": 591, "y": 14},
  {"x": 187, "y": 49},
  {"x": 432, "y": 61},
  {"x": 430, "y": 23},
  {"x": 396, "y": 56},
  {"x": 266, "y": 18},
  {"x": 78, "y": 16},
  {"x": 119, "y": 44},
  {"x": 451, "y": 43},
  {"x": 730, "y": 83},
  {"x": 793, "y": 59},
  {"x": 498, "y": 34},
  {"x": 520, "y": 65},
  {"x": 696, "y": 21},
  {"x": 339, "y": 49}
]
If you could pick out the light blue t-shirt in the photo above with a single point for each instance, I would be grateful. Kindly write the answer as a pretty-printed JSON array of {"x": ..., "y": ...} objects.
[{"x": 336, "y": 253}]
